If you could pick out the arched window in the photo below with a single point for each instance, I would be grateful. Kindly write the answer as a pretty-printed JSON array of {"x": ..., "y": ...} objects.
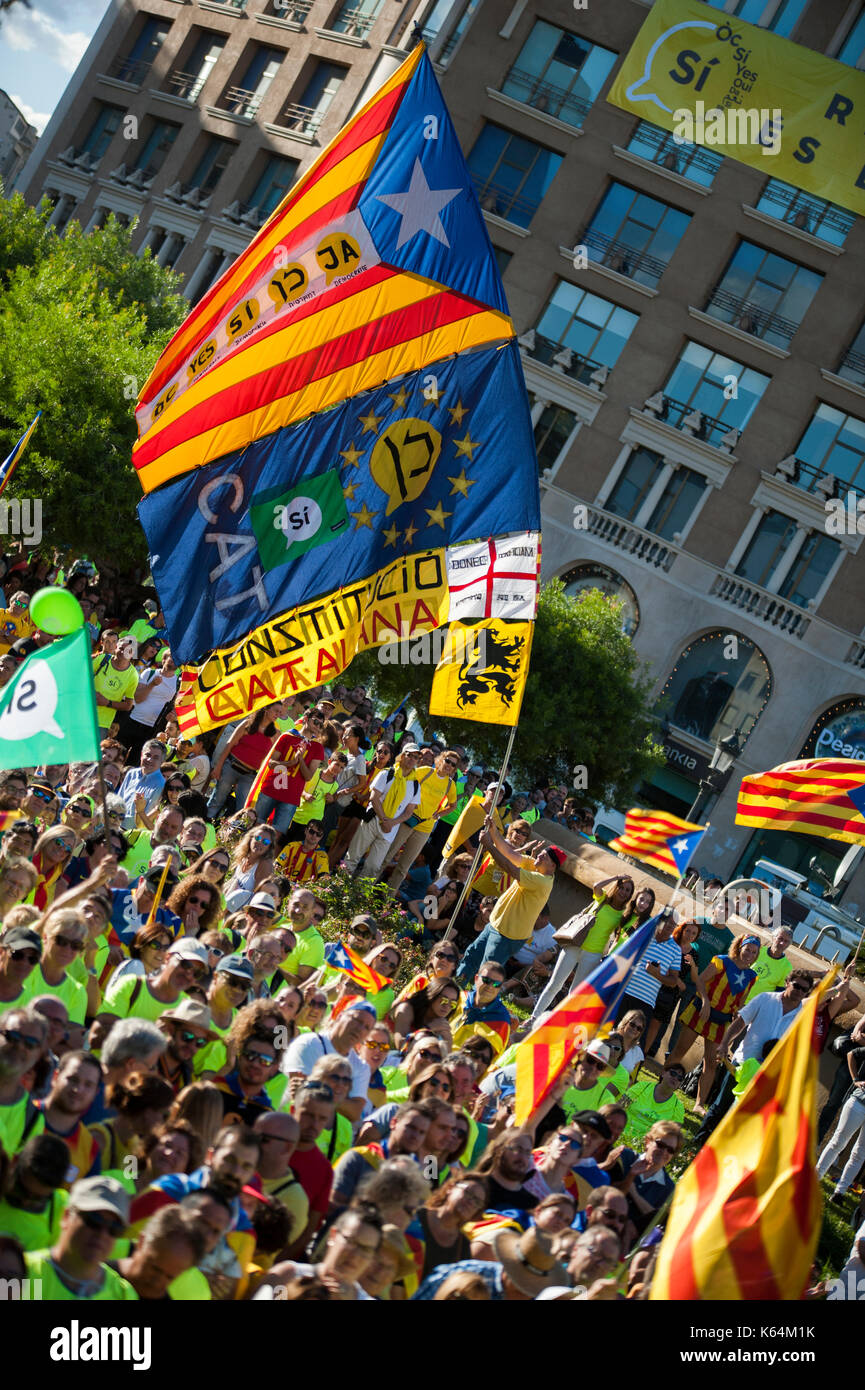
[
  {"x": 839, "y": 732},
  {"x": 591, "y": 576},
  {"x": 720, "y": 685}
]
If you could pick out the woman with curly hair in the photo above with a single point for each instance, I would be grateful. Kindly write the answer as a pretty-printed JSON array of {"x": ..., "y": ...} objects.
[
  {"x": 725, "y": 984},
  {"x": 142, "y": 1101},
  {"x": 175, "y": 784},
  {"x": 430, "y": 1007},
  {"x": 172, "y": 1147},
  {"x": 197, "y": 903}
]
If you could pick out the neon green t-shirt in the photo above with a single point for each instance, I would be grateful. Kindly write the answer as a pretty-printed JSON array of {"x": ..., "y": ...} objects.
[
  {"x": 118, "y": 1000},
  {"x": 190, "y": 1287},
  {"x": 770, "y": 973},
  {"x": 745, "y": 1075},
  {"x": 308, "y": 951},
  {"x": 312, "y": 803},
  {"x": 35, "y": 1230},
  {"x": 12, "y": 1121},
  {"x": 607, "y": 919},
  {"x": 114, "y": 685},
  {"x": 644, "y": 1111},
  {"x": 138, "y": 858},
  {"x": 382, "y": 1002},
  {"x": 592, "y": 1099},
  {"x": 214, "y": 1056},
  {"x": 69, "y": 992},
  {"x": 342, "y": 1144},
  {"x": 114, "y": 1288}
]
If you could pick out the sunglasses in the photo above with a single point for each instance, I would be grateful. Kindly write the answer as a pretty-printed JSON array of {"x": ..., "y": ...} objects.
[
  {"x": 569, "y": 1139},
  {"x": 429, "y": 1052},
  {"x": 236, "y": 982},
  {"x": 491, "y": 980},
  {"x": 198, "y": 902},
  {"x": 69, "y": 943},
  {"x": 31, "y": 957},
  {"x": 378, "y": 1047},
  {"x": 669, "y": 1148},
  {"x": 452, "y": 762},
  {"x": 317, "y": 1004},
  {"x": 346, "y": 1077},
  {"x": 613, "y": 1215},
  {"x": 192, "y": 967},
  {"x": 20, "y": 603},
  {"x": 66, "y": 845},
  {"x": 266, "y": 1058},
  {"x": 78, "y": 810},
  {"x": 215, "y": 951},
  {"x": 23, "y": 1039},
  {"x": 94, "y": 1221},
  {"x": 593, "y": 1062},
  {"x": 438, "y": 1084},
  {"x": 40, "y": 794},
  {"x": 445, "y": 955},
  {"x": 188, "y": 1037},
  {"x": 160, "y": 946},
  {"x": 261, "y": 912}
]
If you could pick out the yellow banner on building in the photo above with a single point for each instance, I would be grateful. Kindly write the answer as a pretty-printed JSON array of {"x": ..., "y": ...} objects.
[
  {"x": 790, "y": 112},
  {"x": 482, "y": 672},
  {"x": 313, "y": 644}
]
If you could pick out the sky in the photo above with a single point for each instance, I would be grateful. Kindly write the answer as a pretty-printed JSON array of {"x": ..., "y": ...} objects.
[{"x": 40, "y": 49}]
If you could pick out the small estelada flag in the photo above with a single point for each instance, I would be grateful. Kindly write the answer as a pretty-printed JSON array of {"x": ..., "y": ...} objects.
[
  {"x": 482, "y": 672},
  {"x": 341, "y": 957},
  {"x": 659, "y": 838}
]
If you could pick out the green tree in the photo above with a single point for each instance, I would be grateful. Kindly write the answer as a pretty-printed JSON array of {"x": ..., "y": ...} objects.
[
  {"x": 586, "y": 705},
  {"x": 82, "y": 321}
]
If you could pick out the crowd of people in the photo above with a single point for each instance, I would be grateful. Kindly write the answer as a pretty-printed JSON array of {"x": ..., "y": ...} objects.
[{"x": 200, "y": 1101}]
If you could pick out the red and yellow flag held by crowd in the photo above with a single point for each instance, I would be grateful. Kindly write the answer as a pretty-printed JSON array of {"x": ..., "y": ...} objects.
[
  {"x": 659, "y": 838},
  {"x": 745, "y": 1218},
  {"x": 818, "y": 796}
]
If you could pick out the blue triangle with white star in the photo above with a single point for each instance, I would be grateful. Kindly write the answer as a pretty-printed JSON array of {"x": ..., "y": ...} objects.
[
  {"x": 857, "y": 796},
  {"x": 682, "y": 847}
]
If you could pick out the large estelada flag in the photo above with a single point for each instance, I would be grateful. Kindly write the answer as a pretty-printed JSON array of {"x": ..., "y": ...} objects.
[
  {"x": 745, "y": 1218},
  {"x": 544, "y": 1054},
  {"x": 659, "y": 838},
  {"x": 343, "y": 409},
  {"x": 822, "y": 796}
]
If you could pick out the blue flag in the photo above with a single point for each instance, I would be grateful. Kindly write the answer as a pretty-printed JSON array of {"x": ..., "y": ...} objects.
[{"x": 682, "y": 848}]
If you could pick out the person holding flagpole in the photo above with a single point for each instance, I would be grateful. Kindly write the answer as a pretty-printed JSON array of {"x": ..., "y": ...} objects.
[{"x": 513, "y": 918}]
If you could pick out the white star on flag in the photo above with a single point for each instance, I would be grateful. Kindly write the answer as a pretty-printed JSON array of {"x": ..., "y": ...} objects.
[
  {"x": 419, "y": 207},
  {"x": 680, "y": 845}
]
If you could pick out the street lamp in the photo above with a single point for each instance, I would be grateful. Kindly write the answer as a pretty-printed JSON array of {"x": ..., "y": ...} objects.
[{"x": 726, "y": 751}]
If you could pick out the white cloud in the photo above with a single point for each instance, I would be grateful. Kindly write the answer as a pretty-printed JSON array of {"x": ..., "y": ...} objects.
[
  {"x": 38, "y": 118},
  {"x": 27, "y": 31}
]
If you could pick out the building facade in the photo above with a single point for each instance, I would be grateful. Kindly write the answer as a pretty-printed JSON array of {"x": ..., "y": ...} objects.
[
  {"x": 692, "y": 329},
  {"x": 17, "y": 140}
]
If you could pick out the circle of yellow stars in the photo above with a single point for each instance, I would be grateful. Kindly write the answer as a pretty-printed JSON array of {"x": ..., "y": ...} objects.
[{"x": 460, "y": 482}]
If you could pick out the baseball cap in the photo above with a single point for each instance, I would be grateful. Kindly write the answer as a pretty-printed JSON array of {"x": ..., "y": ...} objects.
[
  {"x": 592, "y": 1119},
  {"x": 476, "y": 770},
  {"x": 264, "y": 901},
  {"x": 153, "y": 876},
  {"x": 409, "y": 748},
  {"x": 21, "y": 936},
  {"x": 189, "y": 949},
  {"x": 100, "y": 1194},
  {"x": 364, "y": 919},
  {"x": 191, "y": 1011},
  {"x": 236, "y": 965},
  {"x": 361, "y": 1007},
  {"x": 598, "y": 1048}
]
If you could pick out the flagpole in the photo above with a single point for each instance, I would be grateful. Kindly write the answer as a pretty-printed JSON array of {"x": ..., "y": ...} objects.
[
  {"x": 452, "y": 925},
  {"x": 158, "y": 895}
]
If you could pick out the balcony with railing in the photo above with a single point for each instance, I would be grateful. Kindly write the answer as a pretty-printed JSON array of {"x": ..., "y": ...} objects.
[
  {"x": 305, "y": 120},
  {"x": 805, "y": 212},
  {"x": 749, "y": 317},
  {"x": 544, "y": 96},
  {"x": 228, "y": 4},
  {"x": 131, "y": 70},
  {"x": 658, "y": 147},
  {"x": 619, "y": 256},
  {"x": 757, "y": 602},
  {"x": 852, "y": 367},
  {"x": 240, "y": 101},
  {"x": 186, "y": 85},
  {"x": 631, "y": 540},
  {"x": 502, "y": 202},
  {"x": 564, "y": 359},
  {"x": 353, "y": 22},
  {"x": 687, "y": 418},
  {"x": 815, "y": 480}
]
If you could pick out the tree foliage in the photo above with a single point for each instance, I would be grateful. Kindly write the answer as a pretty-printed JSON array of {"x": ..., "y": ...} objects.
[
  {"x": 82, "y": 320},
  {"x": 586, "y": 702}
]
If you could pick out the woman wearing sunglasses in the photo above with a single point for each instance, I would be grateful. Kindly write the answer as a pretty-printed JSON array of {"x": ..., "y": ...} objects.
[
  {"x": 374, "y": 1050},
  {"x": 441, "y": 965},
  {"x": 252, "y": 863},
  {"x": 430, "y": 1008},
  {"x": 175, "y": 784},
  {"x": 78, "y": 814},
  {"x": 197, "y": 903},
  {"x": 53, "y": 851},
  {"x": 314, "y": 1011},
  {"x": 386, "y": 960},
  {"x": 147, "y": 953},
  {"x": 64, "y": 937}
]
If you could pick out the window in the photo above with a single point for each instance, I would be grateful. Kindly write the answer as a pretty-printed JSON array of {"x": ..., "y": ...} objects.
[
  {"x": 552, "y": 432},
  {"x": 589, "y": 576},
  {"x": 559, "y": 73},
  {"x": 278, "y": 176},
  {"x": 155, "y": 149},
  {"x": 510, "y": 173},
  {"x": 211, "y": 166},
  {"x": 778, "y": 16},
  {"x": 766, "y": 548},
  {"x": 101, "y": 132},
  {"x": 852, "y": 50},
  {"x": 594, "y": 329},
  {"x": 711, "y": 694},
  {"x": 815, "y": 215},
  {"x": 189, "y": 81},
  {"x": 308, "y": 114},
  {"x": 634, "y": 234},
  {"x": 465, "y": 20},
  {"x": 634, "y": 484},
  {"x": 852, "y": 366},
  {"x": 675, "y": 506},
  {"x": 140, "y": 58},
  {"x": 263, "y": 66},
  {"x": 832, "y": 443},
  {"x": 810, "y": 569},
  {"x": 704, "y": 380},
  {"x": 355, "y": 17},
  {"x": 692, "y": 162},
  {"x": 763, "y": 294}
]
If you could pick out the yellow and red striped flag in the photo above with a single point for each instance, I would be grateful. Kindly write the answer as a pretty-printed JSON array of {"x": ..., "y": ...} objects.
[
  {"x": 659, "y": 838},
  {"x": 822, "y": 796},
  {"x": 745, "y": 1218},
  {"x": 342, "y": 957},
  {"x": 546, "y": 1052}
]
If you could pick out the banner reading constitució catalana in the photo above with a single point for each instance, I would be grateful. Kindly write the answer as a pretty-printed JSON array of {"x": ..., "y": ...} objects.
[{"x": 790, "y": 112}]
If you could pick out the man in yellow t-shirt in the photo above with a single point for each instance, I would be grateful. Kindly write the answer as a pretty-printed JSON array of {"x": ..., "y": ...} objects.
[
  {"x": 115, "y": 681},
  {"x": 438, "y": 794},
  {"x": 514, "y": 915},
  {"x": 97, "y": 1215}
]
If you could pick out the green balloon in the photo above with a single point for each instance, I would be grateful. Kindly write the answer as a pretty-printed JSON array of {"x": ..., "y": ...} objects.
[{"x": 56, "y": 611}]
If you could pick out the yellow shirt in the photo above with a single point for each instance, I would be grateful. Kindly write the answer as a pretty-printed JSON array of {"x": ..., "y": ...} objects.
[
  {"x": 15, "y": 624},
  {"x": 114, "y": 685},
  {"x": 472, "y": 818},
  {"x": 516, "y": 911},
  {"x": 434, "y": 789}
]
